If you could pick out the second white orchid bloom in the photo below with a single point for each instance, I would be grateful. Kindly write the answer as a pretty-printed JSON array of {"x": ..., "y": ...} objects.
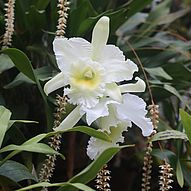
[
  {"x": 90, "y": 73},
  {"x": 121, "y": 116}
]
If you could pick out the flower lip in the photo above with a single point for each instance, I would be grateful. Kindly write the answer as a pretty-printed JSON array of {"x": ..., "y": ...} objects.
[{"x": 85, "y": 78}]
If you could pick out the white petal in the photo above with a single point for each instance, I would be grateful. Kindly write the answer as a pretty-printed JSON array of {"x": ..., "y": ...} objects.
[
  {"x": 100, "y": 110},
  {"x": 99, "y": 37},
  {"x": 97, "y": 146},
  {"x": 133, "y": 109},
  {"x": 85, "y": 99},
  {"x": 139, "y": 86},
  {"x": 70, "y": 50},
  {"x": 111, "y": 120},
  {"x": 116, "y": 132},
  {"x": 111, "y": 52},
  {"x": 119, "y": 70},
  {"x": 112, "y": 90},
  {"x": 55, "y": 83},
  {"x": 70, "y": 120}
]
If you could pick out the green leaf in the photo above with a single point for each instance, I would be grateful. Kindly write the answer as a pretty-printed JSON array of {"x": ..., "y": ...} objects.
[
  {"x": 7, "y": 183},
  {"x": 154, "y": 18},
  {"x": 79, "y": 186},
  {"x": 130, "y": 25},
  {"x": 24, "y": 65},
  {"x": 158, "y": 71},
  {"x": 36, "y": 139},
  {"x": 169, "y": 134},
  {"x": 15, "y": 171},
  {"x": 19, "y": 79},
  {"x": 91, "y": 132},
  {"x": 41, "y": 5},
  {"x": 62, "y": 185},
  {"x": 136, "y": 6},
  {"x": 5, "y": 115},
  {"x": 173, "y": 16},
  {"x": 5, "y": 63},
  {"x": 164, "y": 154},
  {"x": 173, "y": 91},
  {"x": 83, "y": 129},
  {"x": 33, "y": 147},
  {"x": 178, "y": 71},
  {"x": 179, "y": 174},
  {"x": 21, "y": 61},
  {"x": 11, "y": 122},
  {"x": 44, "y": 73},
  {"x": 91, "y": 171},
  {"x": 186, "y": 121},
  {"x": 186, "y": 173},
  {"x": 38, "y": 185},
  {"x": 37, "y": 17},
  {"x": 82, "y": 11}
]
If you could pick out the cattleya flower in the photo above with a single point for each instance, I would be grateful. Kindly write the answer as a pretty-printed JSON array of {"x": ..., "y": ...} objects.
[{"x": 91, "y": 74}]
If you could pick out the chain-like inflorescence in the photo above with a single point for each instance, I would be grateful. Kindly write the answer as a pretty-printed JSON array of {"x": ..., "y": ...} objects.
[
  {"x": 147, "y": 162},
  {"x": 165, "y": 176},
  {"x": 49, "y": 164},
  {"x": 102, "y": 179},
  {"x": 63, "y": 7},
  {"x": 9, "y": 23},
  {"x": 153, "y": 109},
  {"x": 147, "y": 166},
  {"x": 55, "y": 141}
]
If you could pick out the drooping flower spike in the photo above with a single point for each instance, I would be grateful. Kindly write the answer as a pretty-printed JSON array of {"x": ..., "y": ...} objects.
[{"x": 91, "y": 72}]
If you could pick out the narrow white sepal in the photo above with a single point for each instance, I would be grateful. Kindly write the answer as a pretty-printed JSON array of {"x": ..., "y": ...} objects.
[
  {"x": 139, "y": 86},
  {"x": 113, "y": 91},
  {"x": 99, "y": 37},
  {"x": 55, "y": 83},
  {"x": 70, "y": 120}
]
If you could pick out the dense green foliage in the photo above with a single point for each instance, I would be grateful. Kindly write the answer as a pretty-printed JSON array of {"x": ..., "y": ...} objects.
[{"x": 159, "y": 35}]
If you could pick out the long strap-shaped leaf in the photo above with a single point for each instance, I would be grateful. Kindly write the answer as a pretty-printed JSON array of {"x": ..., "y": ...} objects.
[
  {"x": 61, "y": 185},
  {"x": 23, "y": 64},
  {"x": 89, "y": 173},
  {"x": 32, "y": 145},
  {"x": 5, "y": 115}
]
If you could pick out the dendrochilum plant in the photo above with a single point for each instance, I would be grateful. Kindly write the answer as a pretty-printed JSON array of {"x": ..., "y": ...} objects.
[{"x": 91, "y": 74}]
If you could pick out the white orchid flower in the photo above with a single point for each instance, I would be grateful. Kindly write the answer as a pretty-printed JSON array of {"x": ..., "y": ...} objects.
[
  {"x": 131, "y": 110},
  {"x": 90, "y": 73},
  {"x": 97, "y": 146}
]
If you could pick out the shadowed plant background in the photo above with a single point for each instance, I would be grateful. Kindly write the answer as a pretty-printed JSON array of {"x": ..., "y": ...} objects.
[{"x": 158, "y": 31}]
